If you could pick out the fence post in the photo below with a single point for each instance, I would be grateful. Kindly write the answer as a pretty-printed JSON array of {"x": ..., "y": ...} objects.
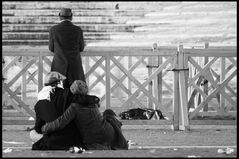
[
  {"x": 222, "y": 77},
  {"x": 205, "y": 87},
  {"x": 24, "y": 80},
  {"x": 87, "y": 67},
  {"x": 150, "y": 70},
  {"x": 186, "y": 73},
  {"x": 40, "y": 73},
  {"x": 176, "y": 97},
  {"x": 183, "y": 108},
  {"x": 159, "y": 82},
  {"x": 129, "y": 82},
  {"x": 107, "y": 79}
]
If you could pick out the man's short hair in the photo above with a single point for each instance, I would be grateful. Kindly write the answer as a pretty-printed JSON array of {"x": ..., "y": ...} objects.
[{"x": 65, "y": 13}]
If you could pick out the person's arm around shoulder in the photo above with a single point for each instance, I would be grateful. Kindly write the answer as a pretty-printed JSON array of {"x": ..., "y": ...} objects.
[{"x": 61, "y": 121}]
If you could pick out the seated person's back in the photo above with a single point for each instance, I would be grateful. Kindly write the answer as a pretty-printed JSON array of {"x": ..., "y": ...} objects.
[
  {"x": 45, "y": 112},
  {"x": 94, "y": 128}
]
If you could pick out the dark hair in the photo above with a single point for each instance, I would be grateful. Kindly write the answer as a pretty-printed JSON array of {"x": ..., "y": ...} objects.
[{"x": 109, "y": 112}]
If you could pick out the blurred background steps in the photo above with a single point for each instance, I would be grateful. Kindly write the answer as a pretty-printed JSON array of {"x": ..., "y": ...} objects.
[{"x": 119, "y": 23}]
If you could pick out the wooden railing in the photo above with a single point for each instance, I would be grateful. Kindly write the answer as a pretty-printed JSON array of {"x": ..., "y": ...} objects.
[{"x": 127, "y": 78}]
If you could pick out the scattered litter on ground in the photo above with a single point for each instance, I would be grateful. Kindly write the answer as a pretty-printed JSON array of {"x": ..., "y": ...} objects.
[
  {"x": 220, "y": 151},
  {"x": 152, "y": 151},
  {"x": 131, "y": 143},
  {"x": 227, "y": 151},
  {"x": 7, "y": 150},
  {"x": 75, "y": 149},
  {"x": 192, "y": 156}
]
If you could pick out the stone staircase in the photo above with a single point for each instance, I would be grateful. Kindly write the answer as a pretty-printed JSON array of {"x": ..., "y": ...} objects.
[{"x": 26, "y": 24}]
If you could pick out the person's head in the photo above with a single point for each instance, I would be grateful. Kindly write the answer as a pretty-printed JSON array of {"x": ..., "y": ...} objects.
[
  {"x": 109, "y": 112},
  {"x": 54, "y": 78},
  {"x": 79, "y": 87},
  {"x": 65, "y": 13}
]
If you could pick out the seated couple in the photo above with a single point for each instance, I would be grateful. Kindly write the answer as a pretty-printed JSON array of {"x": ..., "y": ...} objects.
[{"x": 69, "y": 117}]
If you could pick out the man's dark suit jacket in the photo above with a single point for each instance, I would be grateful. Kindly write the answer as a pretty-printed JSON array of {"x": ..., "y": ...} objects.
[{"x": 66, "y": 41}]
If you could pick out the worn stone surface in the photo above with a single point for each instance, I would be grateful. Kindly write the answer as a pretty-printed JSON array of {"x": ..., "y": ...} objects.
[{"x": 161, "y": 142}]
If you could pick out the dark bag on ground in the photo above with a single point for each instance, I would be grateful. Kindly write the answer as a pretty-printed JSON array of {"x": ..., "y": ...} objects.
[{"x": 142, "y": 113}]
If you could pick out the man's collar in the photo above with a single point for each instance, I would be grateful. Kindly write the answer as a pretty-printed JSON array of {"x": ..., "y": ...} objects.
[{"x": 65, "y": 20}]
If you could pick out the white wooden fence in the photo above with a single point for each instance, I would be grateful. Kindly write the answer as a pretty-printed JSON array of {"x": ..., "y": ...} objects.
[{"x": 165, "y": 78}]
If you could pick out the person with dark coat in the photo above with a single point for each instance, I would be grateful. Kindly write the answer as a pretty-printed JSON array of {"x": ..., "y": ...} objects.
[
  {"x": 66, "y": 41},
  {"x": 52, "y": 102},
  {"x": 98, "y": 132}
]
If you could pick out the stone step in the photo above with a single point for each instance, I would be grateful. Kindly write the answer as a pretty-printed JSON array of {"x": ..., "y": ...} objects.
[
  {"x": 186, "y": 21},
  {"x": 125, "y": 43},
  {"x": 160, "y": 32},
  {"x": 182, "y": 27},
  {"x": 57, "y": 5},
  {"x": 162, "y": 42},
  {"x": 84, "y": 12},
  {"x": 88, "y": 5},
  {"x": 36, "y": 42},
  {"x": 76, "y": 19},
  {"x": 85, "y": 27},
  {"x": 207, "y": 6},
  {"x": 121, "y": 5},
  {"x": 162, "y": 5},
  {"x": 164, "y": 22},
  {"x": 45, "y": 35},
  {"x": 183, "y": 14},
  {"x": 172, "y": 37}
]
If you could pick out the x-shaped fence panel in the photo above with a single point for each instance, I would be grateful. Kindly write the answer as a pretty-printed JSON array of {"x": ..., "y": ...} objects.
[
  {"x": 124, "y": 77},
  {"x": 218, "y": 75},
  {"x": 23, "y": 83}
]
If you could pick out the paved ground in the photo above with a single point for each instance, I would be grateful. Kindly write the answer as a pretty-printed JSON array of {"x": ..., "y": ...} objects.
[{"x": 161, "y": 141}]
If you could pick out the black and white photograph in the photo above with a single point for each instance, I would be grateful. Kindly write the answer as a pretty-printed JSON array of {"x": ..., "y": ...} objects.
[{"x": 119, "y": 79}]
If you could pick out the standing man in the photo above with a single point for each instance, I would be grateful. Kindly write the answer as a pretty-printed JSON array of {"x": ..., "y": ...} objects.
[{"x": 66, "y": 42}]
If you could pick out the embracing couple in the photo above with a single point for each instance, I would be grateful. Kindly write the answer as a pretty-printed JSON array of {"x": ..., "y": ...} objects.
[{"x": 66, "y": 115}]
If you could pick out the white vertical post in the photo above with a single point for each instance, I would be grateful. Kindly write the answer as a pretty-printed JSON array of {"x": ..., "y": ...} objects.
[
  {"x": 87, "y": 67},
  {"x": 129, "y": 82},
  {"x": 222, "y": 77},
  {"x": 159, "y": 81},
  {"x": 24, "y": 80},
  {"x": 150, "y": 63},
  {"x": 107, "y": 90},
  {"x": 186, "y": 74},
  {"x": 205, "y": 87},
  {"x": 40, "y": 73},
  {"x": 183, "y": 109},
  {"x": 176, "y": 97}
]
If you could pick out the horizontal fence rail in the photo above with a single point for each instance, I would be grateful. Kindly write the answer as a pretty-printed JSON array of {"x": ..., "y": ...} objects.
[{"x": 165, "y": 78}]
